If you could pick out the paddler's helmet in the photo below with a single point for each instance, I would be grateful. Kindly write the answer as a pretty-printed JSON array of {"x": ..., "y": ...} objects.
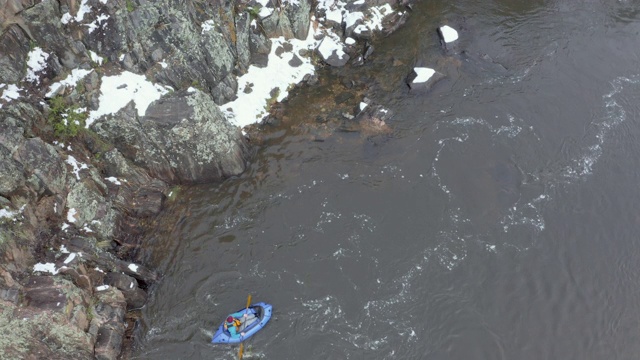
[{"x": 230, "y": 319}]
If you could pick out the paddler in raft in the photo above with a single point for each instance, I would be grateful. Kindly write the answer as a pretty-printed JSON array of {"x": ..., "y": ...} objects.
[{"x": 233, "y": 323}]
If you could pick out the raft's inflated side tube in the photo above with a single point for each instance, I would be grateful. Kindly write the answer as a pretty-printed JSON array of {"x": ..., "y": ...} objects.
[{"x": 261, "y": 310}]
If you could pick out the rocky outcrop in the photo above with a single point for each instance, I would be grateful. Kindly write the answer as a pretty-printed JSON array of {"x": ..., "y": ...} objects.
[
  {"x": 183, "y": 138},
  {"x": 54, "y": 310}
]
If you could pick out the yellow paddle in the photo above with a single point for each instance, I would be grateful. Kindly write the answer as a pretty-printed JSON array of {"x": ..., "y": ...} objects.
[{"x": 242, "y": 344}]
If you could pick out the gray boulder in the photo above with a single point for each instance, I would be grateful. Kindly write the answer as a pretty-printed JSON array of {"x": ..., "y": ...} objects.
[
  {"x": 183, "y": 138},
  {"x": 422, "y": 78},
  {"x": 332, "y": 52},
  {"x": 290, "y": 21},
  {"x": 11, "y": 173},
  {"x": 42, "y": 160}
]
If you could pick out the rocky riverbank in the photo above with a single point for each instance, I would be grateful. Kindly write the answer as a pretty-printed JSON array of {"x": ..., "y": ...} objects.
[{"x": 106, "y": 106}]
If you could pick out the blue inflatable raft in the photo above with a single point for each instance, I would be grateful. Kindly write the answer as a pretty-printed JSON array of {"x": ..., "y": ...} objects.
[{"x": 259, "y": 315}]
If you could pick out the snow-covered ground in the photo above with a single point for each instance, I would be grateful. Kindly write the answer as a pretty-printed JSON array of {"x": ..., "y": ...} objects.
[
  {"x": 257, "y": 87},
  {"x": 118, "y": 90}
]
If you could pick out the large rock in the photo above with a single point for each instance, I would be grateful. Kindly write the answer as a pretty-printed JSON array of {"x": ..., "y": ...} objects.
[
  {"x": 332, "y": 52},
  {"x": 183, "y": 138},
  {"x": 108, "y": 324},
  {"x": 91, "y": 208},
  {"x": 423, "y": 78},
  {"x": 42, "y": 160},
  {"x": 136, "y": 190},
  {"x": 14, "y": 46},
  {"x": 11, "y": 173},
  {"x": 128, "y": 285},
  {"x": 50, "y": 323}
]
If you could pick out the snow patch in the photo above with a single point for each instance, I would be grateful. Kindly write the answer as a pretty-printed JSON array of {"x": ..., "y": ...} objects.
[
  {"x": 329, "y": 45},
  {"x": 46, "y": 267},
  {"x": 207, "y": 26},
  {"x": 449, "y": 34},
  {"x": 424, "y": 74},
  {"x": 77, "y": 166},
  {"x": 70, "y": 258},
  {"x": 113, "y": 180},
  {"x": 102, "y": 287},
  {"x": 133, "y": 267},
  {"x": 37, "y": 61},
  {"x": 97, "y": 22},
  {"x": 118, "y": 90},
  {"x": 12, "y": 92},
  {"x": 251, "y": 107},
  {"x": 71, "y": 215},
  {"x": 95, "y": 57}
]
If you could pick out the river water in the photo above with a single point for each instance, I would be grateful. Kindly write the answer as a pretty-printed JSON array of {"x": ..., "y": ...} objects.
[{"x": 497, "y": 220}]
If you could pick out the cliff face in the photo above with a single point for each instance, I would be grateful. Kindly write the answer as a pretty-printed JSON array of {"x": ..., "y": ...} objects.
[{"x": 105, "y": 105}]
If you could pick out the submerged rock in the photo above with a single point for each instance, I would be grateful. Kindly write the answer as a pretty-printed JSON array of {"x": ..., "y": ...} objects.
[{"x": 373, "y": 119}]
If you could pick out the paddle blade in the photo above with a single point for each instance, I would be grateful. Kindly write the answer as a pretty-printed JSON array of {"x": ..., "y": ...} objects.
[
  {"x": 240, "y": 351},
  {"x": 248, "y": 301}
]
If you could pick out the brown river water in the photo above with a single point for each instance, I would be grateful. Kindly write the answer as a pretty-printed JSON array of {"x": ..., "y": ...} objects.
[{"x": 498, "y": 219}]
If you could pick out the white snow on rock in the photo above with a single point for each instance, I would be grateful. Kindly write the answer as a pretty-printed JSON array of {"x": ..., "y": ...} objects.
[
  {"x": 424, "y": 74},
  {"x": 37, "y": 61},
  {"x": 133, "y": 267},
  {"x": 251, "y": 107},
  {"x": 329, "y": 45},
  {"x": 264, "y": 10},
  {"x": 70, "y": 258},
  {"x": 12, "y": 92},
  {"x": 363, "y": 105},
  {"x": 102, "y": 287},
  {"x": 7, "y": 214},
  {"x": 84, "y": 8},
  {"x": 102, "y": 18},
  {"x": 376, "y": 15},
  {"x": 349, "y": 41},
  {"x": 46, "y": 267},
  {"x": 334, "y": 15},
  {"x": 66, "y": 18},
  {"x": 118, "y": 90},
  {"x": 64, "y": 250},
  {"x": 207, "y": 26},
  {"x": 95, "y": 57},
  {"x": 71, "y": 80},
  {"x": 163, "y": 64},
  {"x": 449, "y": 34},
  {"x": 71, "y": 215},
  {"x": 350, "y": 19},
  {"x": 77, "y": 166},
  {"x": 113, "y": 180}
]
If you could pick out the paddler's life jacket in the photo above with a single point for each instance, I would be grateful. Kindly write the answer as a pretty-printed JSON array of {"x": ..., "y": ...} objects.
[{"x": 235, "y": 323}]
